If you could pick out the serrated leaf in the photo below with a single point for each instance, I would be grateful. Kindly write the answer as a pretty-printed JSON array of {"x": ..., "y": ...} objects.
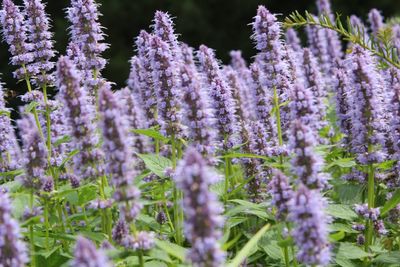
[
  {"x": 350, "y": 193},
  {"x": 343, "y": 163},
  {"x": 155, "y": 163},
  {"x": 172, "y": 249},
  {"x": 350, "y": 251},
  {"x": 391, "y": 203},
  {"x": 341, "y": 211},
  {"x": 392, "y": 257},
  {"x": 345, "y": 263},
  {"x": 152, "y": 133}
]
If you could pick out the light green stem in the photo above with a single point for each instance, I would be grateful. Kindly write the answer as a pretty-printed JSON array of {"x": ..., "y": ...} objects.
[{"x": 31, "y": 235}]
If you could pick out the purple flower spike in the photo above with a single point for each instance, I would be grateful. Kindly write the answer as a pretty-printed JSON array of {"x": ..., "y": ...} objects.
[
  {"x": 281, "y": 193},
  {"x": 368, "y": 108},
  {"x": 40, "y": 37},
  {"x": 220, "y": 95},
  {"x": 375, "y": 20},
  {"x": 119, "y": 157},
  {"x": 13, "y": 251},
  {"x": 293, "y": 40},
  {"x": 203, "y": 220},
  {"x": 164, "y": 28},
  {"x": 324, "y": 7},
  {"x": 319, "y": 46},
  {"x": 302, "y": 106},
  {"x": 197, "y": 112},
  {"x": 80, "y": 116},
  {"x": 34, "y": 153},
  {"x": 165, "y": 81},
  {"x": 86, "y": 255},
  {"x": 306, "y": 164},
  {"x": 9, "y": 149},
  {"x": 14, "y": 34},
  {"x": 311, "y": 227}
]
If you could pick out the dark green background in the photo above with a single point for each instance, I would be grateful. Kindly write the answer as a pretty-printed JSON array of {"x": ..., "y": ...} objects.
[{"x": 220, "y": 24}]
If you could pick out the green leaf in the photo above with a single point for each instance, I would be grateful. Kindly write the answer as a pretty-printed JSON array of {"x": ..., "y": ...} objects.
[
  {"x": 87, "y": 194},
  {"x": 12, "y": 186},
  {"x": 172, "y": 249},
  {"x": 11, "y": 173},
  {"x": 242, "y": 155},
  {"x": 391, "y": 203},
  {"x": 350, "y": 251},
  {"x": 341, "y": 211},
  {"x": 343, "y": 163},
  {"x": 5, "y": 112},
  {"x": 337, "y": 236},
  {"x": 341, "y": 227},
  {"x": 62, "y": 140},
  {"x": 155, "y": 163},
  {"x": 392, "y": 257},
  {"x": 152, "y": 133},
  {"x": 249, "y": 247},
  {"x": 31, "y": 106},
  {"x": 350, "y": 193},
  {"x": 345, "y": 263}
]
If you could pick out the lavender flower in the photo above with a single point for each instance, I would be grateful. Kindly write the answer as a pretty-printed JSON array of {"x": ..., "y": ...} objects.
[
  {"x": 375, "y": 20},
  {"x": 368, "y": 108},
  {"x": 282, "y": 194},
  {"x": 164, "y": 28},
  {"x": 306, "y": 164},
  {"x": 267, "y": 32},
  {"x": 310, "y": 232},
  {"x": 164, "y": 71},
  {"x": 220, "y": 95},
  {"x": 120, "y": 231},
  {"x": 197, "y": 112},
  {"x": 14, "y": 34},
  {"x": 119, "y": 157},
  {"x": 9, "y": 149},
  {"x": 324, "y": 7},
  {"x": 293, "y": 40},
  {"x": 140, "y": 241},
  {"x": 80, "y": 117},
  {"x": 13, "y": 251},
  {"x": 41, "y": 39},
  {"x": 396, "y": 37},
  {"x": 34, "y": 153},
  {"x": 86, "y": 255},
  {"x": 202, "y": 210}
]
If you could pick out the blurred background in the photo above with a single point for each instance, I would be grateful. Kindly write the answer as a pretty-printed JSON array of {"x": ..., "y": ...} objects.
[{"x": 220, "y": 24}]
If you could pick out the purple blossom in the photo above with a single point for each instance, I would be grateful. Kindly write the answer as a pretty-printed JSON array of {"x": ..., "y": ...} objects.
[
  {"x": 368, "y": 108},
  {"x": 34, "y": 153},
  {"x": 120, "y": 231},
  {"x": 197, "y": 112},
  {"x": 396, "y": 37},
  {"x": 119, "y": 157},
  {"x": 281, "y": 193},
  {"x": 306, "y": 164},
  {"x": 80, "y": 116},
  {"x": 14, "y": 34},
  {"x": 311, "y": 231},
  {"x": 9, "y": 149},
  {"x": 324, "y": 7},
  {"x": 318, "y": 44},
  {"x": 86, "y": 255},
  {"x": 220, "y": 95},
  {"x": 40, "y": 37},
  {"x": 13, "y": 251},
  {"x": 203, "y": 219},
  {"x": 140, "y": 241},
  {"x": 163, "y": 27},
  {"x": 375, "y": 20},
  {"x": 293, "y": 40},
  {"x": 165, "y": 81}
]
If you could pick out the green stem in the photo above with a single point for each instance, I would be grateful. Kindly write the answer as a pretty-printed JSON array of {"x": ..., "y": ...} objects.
[
  {"x": 278, "y": 122},
  {"x": 176, "y": 195},
  {"x": 141, "y": 261},
  {"x": 46, "y": 221},
  {"x": 31, "y": 235},
  {"x": 371, "y": 204},
  {"x": 285, "y": 250}
]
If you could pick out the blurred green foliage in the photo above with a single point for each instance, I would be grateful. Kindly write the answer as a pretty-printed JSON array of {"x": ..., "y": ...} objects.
[{"x": 220, "y": 24}]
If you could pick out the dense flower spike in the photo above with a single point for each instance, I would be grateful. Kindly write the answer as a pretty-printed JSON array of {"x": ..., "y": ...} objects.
[
  {"x": 319, "y": 46},
  {"x": 86, "y": 255},
  {"x": 13, "y": 251},
  {"x": 9, "y": 149},
  {"x": 306, "y": 164},
  {"x": 197, "y": 112},
  {"x": 165, "y": 81},
  {"x": 311, "y": 230},
  {"x": 293, "y": 40},
  {"x": 80, "y": 117},
  {"x": 86, "y": 41},
  {"x": 324, "y": 7},
  {"x": 14, "y": 34},
  {"x": 220, "y": 94},
  {"x": 302, "y": 106},
  {"x": 119, "y": 157},
  {"x": 202, "y": 210},
  {"x": 368, "y": 108},
  {"x": 281, "y": 193},
  {"x": 267, "y": 32},
  {"x": 164, "y": 28},
  {"x": 34, "y": 153},
  {"x": 40, "y": 37},
  {"x": 375, "y": 20}
]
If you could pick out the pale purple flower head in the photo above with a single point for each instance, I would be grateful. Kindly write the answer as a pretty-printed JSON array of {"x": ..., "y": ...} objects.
[
  {"x": 396, "y": 37},
  {"x": 79, "y": 113},
  {"x": 142, "y": 240},
  {"x": 203, "y": 220},
  {"x": 165, "y": 81},
  {"x": 14, "y": 34},
  {"x": 87, "y": 255},
  {"x": 306, "y": 164},
  {"x": 375, "y": 20},
  {"x": 311, "y": 227},
  {"x": 293, "y": 40},
  {"x": 281, "y": 193},
  {"x": 324, "y": 8},
  {"x": 237, "y": 61},
  {"x": 164, "y": 28},
  {"x": 34, "y": 153},
  {"x": 220, "y": 94},
  {"x": 13, "y": 251},
  {"x": 39, "y": 35}
]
